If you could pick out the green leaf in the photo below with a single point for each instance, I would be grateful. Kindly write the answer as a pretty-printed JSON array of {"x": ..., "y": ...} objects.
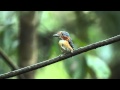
[
  {"x": 100, "y": 68},
  {"x": 49, "y": 21}
]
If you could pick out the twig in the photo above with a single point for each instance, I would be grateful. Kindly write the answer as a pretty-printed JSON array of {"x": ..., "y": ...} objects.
[
  {"x": 60, "y": 58},
  {"x": 9, "y": 62}
]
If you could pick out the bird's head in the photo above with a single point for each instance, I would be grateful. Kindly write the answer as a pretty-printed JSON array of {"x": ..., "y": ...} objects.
[{"x": 62, "y": 35}]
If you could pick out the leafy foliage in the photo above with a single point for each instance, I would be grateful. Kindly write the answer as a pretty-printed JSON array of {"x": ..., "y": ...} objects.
[{"x": 94, "y": 64}]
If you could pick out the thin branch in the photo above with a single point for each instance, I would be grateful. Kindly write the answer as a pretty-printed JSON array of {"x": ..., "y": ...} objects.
[
  {"x": 7, "y": 59},
  {"x": 9, "y": 62},
  {"x": 60, "y": 58}
]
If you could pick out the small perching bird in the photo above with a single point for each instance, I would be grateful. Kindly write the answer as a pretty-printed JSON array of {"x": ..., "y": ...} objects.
[{"x": 65, "y": 41}]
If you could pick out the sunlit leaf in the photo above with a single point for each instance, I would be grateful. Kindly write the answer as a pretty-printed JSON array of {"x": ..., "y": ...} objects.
[{"x": 100, "y": 68}]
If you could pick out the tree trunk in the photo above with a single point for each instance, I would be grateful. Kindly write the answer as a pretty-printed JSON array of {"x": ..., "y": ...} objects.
[{"x": 28, "y": 22}]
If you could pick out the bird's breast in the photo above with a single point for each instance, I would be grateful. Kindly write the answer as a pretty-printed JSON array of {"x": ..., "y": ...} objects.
[{"x": 65, "y": 45}]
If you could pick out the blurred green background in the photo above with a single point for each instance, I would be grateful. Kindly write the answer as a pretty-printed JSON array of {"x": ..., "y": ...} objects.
[{"x": 27, "y": 38}]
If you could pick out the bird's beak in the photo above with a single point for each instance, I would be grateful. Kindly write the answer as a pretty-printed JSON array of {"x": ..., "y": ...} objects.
[{"x": 55, "y": 35}]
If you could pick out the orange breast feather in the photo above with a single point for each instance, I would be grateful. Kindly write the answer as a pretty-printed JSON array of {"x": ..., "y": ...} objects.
[{"x": 65, "y": 45}]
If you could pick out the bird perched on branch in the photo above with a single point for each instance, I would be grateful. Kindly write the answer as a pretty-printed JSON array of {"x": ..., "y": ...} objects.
[{"x": 65, "y": 41}]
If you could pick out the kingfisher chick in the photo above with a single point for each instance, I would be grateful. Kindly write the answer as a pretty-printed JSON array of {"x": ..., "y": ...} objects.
[{"x": 65, "y": 41}]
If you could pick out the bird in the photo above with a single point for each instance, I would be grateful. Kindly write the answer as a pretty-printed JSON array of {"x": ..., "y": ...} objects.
[{"x": 65, "y": 41}]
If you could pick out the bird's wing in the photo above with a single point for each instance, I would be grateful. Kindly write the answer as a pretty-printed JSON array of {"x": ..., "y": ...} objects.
[{"x": 71, "y": 44}]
